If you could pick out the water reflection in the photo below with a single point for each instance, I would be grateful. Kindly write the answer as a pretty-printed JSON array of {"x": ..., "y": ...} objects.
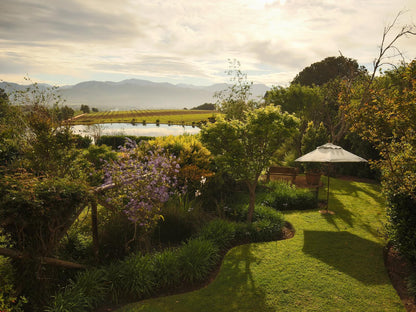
[{"x": 133, "y": 129}]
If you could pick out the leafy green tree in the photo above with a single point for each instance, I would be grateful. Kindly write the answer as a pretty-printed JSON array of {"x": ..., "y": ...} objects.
[
  {"x": 243, "y": 149},
  {"x": 304, "y": 101},
  {"x": 326, "y": 70},
  {"x": 11, "y": 131},
  {"x": 42, "y": 190},
  {"x": 388, "y": 120},
  {"x": 85, "y": 108}
]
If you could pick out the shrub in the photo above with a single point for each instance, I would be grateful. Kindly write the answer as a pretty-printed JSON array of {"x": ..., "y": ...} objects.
[
  {"x": 115, "y": 231},
  {"x": 220, "y": 232},
  {"x": 132, "y": 278},
  {"x": 411, "y": 285},
  {"x": 114, "y": 141},
  {"x": 267, "y": 224},
  {"x": 166, "y": 268},
  {"x": 196, "y": 259},
  {"x": 84, "y": 294},
  {"x": 402, "y": 217},
  {"x": 283, "y": 196},
  {"x": 8, "y": 299},
  {"x": 76, "y": 246}
]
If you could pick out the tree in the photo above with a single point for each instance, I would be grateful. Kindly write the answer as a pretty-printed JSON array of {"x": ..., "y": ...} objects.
[
  {"x": 385, "y": 115},
  {"x": 42, "y": 190},
  {"x": 326, "y": 70},
  {"x": 243, "y": 149},
  {"x": 138, "y": 183},
  {"x": 234, "y": 101},
  {"x": 85, "y": 109},
  {"x": 205, "y": 106}
]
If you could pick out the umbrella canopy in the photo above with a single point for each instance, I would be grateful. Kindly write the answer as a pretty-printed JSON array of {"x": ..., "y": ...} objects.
[{"x": 329, "y": 153}]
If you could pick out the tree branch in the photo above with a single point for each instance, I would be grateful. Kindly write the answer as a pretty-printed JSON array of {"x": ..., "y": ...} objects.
[{"x": 15, "y": 254}]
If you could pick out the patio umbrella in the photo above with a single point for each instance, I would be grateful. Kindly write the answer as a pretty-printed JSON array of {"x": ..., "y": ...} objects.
[{"x": 330, "y": 153}]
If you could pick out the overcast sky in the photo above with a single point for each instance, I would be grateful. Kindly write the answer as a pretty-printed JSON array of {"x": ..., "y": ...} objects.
[{"x": 188, "y": 41}]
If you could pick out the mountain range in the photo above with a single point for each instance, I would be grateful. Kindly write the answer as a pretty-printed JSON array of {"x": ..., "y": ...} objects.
[{"x": 136, "y": 94}]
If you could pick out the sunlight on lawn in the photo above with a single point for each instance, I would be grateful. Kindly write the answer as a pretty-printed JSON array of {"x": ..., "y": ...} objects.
[{"x": 333, "y": 263}]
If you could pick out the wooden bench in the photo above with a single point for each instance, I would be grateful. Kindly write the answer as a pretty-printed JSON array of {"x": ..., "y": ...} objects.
[{"x": 282, "y": 173}]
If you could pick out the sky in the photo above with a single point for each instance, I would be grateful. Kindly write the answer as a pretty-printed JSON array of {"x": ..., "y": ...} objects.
[{"x": 64, "y": 42}]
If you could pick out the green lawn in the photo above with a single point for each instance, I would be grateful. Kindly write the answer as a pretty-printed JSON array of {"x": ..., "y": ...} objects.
[{"x": 333, "y": 263}]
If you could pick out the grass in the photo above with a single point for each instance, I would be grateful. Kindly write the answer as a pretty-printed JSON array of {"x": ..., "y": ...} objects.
[
  {"x": 178, "y": 117},
  {"x": 333, "y": 263}
]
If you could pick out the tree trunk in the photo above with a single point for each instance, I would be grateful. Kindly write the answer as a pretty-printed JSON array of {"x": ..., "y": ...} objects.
[
  {"x": 252, "y": 191},
  {"x": 94, "y": 228}
]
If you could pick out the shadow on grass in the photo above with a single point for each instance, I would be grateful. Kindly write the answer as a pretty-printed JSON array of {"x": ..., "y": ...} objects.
[
  {"x": 347, "y": 253},
  {"x": 238, "y": 285},
  {"x": 367, "y": 195}
]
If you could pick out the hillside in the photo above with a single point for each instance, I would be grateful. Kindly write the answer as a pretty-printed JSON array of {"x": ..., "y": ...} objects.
[{"x": 138, "y": 94}]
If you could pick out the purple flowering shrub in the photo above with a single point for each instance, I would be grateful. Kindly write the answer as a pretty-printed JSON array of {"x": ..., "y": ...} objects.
[{"x": 141, "y": 180}]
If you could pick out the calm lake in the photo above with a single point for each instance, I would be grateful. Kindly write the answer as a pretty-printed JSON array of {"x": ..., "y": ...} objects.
[{"x": 130, "y": 129}]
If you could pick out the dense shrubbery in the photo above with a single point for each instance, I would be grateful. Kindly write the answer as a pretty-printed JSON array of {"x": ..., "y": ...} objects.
[
  {"x": 115, "y": 141},
  {"x": 411, "y": 285},
  {"x": 283, "y": 196},
  {"x": 139, "y": 276},
  {"x": 402, "y": 217},
  {"x": 9, "y": 301}
]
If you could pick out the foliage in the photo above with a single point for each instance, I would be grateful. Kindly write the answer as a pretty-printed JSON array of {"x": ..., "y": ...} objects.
[
  {"x": 314, "y": 136},
  {"x": 194, "y": 160},
  {"x": 77, "y": 247},
  {"x": 115, "y": 231},
  {"x": 205, "y": 106},
  {"x": 182, "y": 217},
  {"x": 85, "y": 109},
  {"x": 132, "y": 278},
  {"x": 82, "y": 141},
  {"x": 36, "y": 211},
  {"x": 95, "y": 157},
  {"x": 166, "y": 268},
  {"x": 402, "y": 217},
  {"x": 234, "y": 101},
  {"x": 11, "y": 131},
  {"x": 330, "y": 68},
  {"x": 140, "y": 181},
  {"x": 221, "y": 232},
  {"x": 116, "y": 141},
  {"x": 84, "y": 294},
  {"x": 387, "y": 119},
  {"x": 304, "y": 101},
  {"x": 284, "y": 196},
  {"x": 196, "y": 259},
  {"x": 9, "y": 300},
  {"x": 411, "y": 285},
  {"x": 244, "y": 149}
]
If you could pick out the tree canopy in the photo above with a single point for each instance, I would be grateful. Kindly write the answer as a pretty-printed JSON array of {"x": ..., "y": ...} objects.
[
  {"x": 328, "y": 69},
  {"x": 244, "y": 148}
]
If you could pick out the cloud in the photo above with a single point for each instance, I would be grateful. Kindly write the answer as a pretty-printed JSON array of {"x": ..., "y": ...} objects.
[
  {"x": 43, "y": 21},
  {"x": 186, "y": 39}
]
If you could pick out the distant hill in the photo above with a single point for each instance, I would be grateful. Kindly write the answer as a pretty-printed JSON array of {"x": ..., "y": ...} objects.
[{"x": 138, "y": 94}]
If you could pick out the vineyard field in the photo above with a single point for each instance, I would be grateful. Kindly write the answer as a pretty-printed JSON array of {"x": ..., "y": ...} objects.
[{"x": 161, "y": 116}]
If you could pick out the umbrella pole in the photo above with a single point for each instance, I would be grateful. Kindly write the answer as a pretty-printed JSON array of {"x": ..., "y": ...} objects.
[{"x": 327, "y": 195}]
